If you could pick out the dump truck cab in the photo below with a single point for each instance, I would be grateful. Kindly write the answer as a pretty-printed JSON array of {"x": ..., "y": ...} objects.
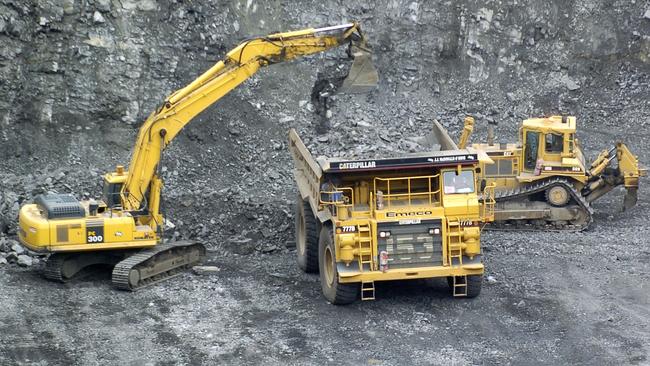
[{"x": 414, "y": 216}]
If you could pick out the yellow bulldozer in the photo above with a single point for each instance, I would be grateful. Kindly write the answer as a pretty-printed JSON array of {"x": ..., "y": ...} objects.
[
  {"x": 543, "y": 182},
  {"x": 125, "y": 227}
]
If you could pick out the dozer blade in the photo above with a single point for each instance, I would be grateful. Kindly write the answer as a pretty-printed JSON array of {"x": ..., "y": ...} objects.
[
  {"x": 630, "y": 198},
  {"x": 363, "y": 76}
]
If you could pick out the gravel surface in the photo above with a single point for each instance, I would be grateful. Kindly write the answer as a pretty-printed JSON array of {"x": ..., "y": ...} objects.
[{"x": 78, "y": 77}]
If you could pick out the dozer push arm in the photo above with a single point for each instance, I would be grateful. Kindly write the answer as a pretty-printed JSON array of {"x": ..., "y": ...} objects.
[
  {"x": 602, "y": 179},
  {"x": 628, "y": 164},
  {"x": 602, "y": 162},
  {"x": 241, "y": 63}
]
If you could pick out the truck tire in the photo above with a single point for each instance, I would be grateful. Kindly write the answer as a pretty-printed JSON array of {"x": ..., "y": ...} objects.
[
  {"x": 307, "y": 230},
  {"x": 335, "y": 292},
  {"x": 474, "y": 284}
]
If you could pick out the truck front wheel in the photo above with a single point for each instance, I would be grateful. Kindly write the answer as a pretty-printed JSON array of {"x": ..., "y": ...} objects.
[
  {"x": 335, "y": 292},
  {"x": 307, "y": 230}
]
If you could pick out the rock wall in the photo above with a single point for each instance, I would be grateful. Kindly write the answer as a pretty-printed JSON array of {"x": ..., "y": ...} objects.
[{"x": 71, "y": 63}]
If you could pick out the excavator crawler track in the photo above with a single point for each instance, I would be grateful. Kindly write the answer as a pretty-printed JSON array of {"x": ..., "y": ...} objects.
[
  {"x": 581, "y": 222},
  {"x": 157, "y": 264},
  {"x": 53, "y": 267}
]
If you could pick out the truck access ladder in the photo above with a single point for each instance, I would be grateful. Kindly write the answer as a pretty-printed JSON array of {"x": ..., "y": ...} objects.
[
  {"x": 367, "y": 290},
  {"x": 454, "y": 242},
  {"x": 366, "y": 260},
  {"x": 366, "y": 252},
  {"x": 455, "y": 255}
]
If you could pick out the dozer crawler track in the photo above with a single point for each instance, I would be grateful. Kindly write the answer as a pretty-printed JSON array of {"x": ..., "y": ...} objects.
[
  {"x": 157, "y": 264},
  {"x": 580, "y": 210}
]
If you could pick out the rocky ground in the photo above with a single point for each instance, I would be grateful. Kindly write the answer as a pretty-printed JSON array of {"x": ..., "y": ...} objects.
[{"x": 77, "y": 78}]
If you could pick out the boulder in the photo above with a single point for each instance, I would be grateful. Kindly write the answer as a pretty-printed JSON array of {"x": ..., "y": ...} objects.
[
  {"x": 103, "y": 5},
  {"x": 206, "y": 270},
  {"x": 24, "y": 260},
  {"x": 17, "y": 248}
]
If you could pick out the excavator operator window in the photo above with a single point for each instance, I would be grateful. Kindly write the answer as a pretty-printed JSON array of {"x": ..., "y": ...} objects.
[
  {"x": 554, "y": 143},
  {"x": 111, "y": 194}
]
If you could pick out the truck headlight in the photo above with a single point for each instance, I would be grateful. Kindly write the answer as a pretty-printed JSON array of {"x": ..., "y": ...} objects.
[
  {"x": 434, "y": 231},
  {"x": 384, "y": 234}
]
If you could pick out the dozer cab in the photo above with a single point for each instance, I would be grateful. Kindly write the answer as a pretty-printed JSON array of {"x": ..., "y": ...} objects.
[
  {"x": 543, "y": 180},
  {"x": 415, "y": 216}
]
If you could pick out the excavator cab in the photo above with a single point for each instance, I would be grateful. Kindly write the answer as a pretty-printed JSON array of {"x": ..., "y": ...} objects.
[{"x": 113, "y": 183}]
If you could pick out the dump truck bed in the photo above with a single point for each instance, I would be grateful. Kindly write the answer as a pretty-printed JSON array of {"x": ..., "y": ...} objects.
[{"x": 310, "y": 173}]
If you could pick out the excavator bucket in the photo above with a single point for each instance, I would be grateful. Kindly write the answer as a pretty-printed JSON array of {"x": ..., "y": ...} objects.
[
  {"x": 362, "y": 77},
  {"x": 630, "y": 198}
]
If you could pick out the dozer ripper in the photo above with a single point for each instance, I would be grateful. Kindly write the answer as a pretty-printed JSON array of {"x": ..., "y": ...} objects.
[
  {"x": 542, "y": 182},
  {"x": 416, "y": 216},
  {"x": 125, "y": 228}
]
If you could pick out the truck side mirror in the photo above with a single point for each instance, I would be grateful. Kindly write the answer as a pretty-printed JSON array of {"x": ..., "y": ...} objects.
[{"x": 483, "y": 184}]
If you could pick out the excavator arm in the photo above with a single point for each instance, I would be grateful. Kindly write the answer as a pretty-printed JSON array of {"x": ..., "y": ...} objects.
[{"x": 241, "y": 63}]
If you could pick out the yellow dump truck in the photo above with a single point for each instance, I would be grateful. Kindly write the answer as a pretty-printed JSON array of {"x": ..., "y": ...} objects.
[{"x": 414, "y": 216}]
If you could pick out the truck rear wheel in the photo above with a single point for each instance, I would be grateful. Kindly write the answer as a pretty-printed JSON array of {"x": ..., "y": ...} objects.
[
  {"x": 335, "y": 292},
  {"x": 307, "y": 231}
]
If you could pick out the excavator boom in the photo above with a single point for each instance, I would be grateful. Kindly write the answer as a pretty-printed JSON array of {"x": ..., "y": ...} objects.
[{"x": 239, "y": 64}]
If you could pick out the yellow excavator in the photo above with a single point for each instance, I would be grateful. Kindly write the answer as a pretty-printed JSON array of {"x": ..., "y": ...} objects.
[
  {"x": 125, "y": 228},
  {"x": 543, "y": 181}
]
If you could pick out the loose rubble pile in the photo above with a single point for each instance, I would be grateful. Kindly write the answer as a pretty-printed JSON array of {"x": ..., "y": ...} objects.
[{"x": 11, "y": 252}]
